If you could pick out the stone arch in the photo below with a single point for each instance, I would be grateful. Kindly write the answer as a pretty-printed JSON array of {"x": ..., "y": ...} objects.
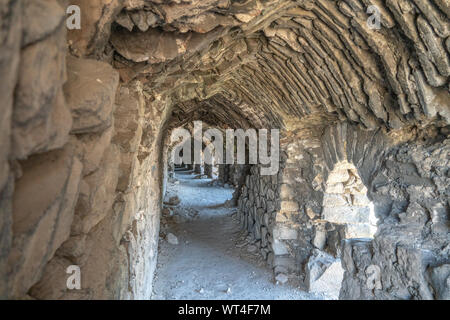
[
  {"x": 364, "y": 150},
  {"x": 346, "y": 202}
]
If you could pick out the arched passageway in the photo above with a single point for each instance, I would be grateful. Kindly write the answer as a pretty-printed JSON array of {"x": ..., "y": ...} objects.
[{"x": 87, "y": 112}]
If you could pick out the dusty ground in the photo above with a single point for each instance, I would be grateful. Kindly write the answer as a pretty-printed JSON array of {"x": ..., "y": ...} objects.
[{"x": 211, "y": 259}]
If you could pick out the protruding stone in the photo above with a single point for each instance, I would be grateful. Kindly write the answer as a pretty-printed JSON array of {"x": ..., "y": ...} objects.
[{"x": 90, "y": 92}]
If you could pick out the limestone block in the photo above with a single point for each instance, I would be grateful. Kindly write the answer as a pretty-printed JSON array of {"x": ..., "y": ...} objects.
[
  {"x": 360, "y": 230},
  {"x": 289, "y": 206},
  {"x": 284, "y": 261},
  {"x": 324, "y": 274},
  {"x": 335, "y": 200},
  {"x": 285, "y": 233},
  {"x": 338, "y": 176},
  {"x": 279, "y": 248},
  {"x": 93, "y": 147},
  {"x": 90, "y": 93},
  {"x": 97, "y": 194},
  {"x": 335, "y": 188},
  {"x": 43, "y": 206},
  {"x": 97, "y": 17},
  {"x": 74, "y": 249},
  {"x": 40, "y": 19},
  {"x": 41, "y": 120},
  {"x": 346, "y": 214},
  {"x": 53, "y": 284},
  {"x": 360, "y": 200},
  {"x": 286, "y": 192}
]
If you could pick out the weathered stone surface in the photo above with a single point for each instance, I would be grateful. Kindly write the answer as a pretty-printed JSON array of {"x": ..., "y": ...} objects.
[
  {"x": 10, "y": 39},
  {"x": 53, "y": 285},
  {"x": 92, "y": 148},
  {"x": 96, "y": 21},
  {"x": 285, "y": 233},
  {"x": 97, "y": 193},
  {"x": 41, "y": 18},
  {"x": 90, "y": 92},
  {"x": 324, "y": 274},
  {"x": 43, "y": 207},
  {"x": 40, "y": 120},
  {"x": 346, "y": 214},
  {"x": 440, "y": 278}
]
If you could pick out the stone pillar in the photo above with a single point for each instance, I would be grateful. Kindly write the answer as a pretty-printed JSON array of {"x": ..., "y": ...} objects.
[
  {"x": 198, "y": 168},
  {"x": 209, "y": 170}
]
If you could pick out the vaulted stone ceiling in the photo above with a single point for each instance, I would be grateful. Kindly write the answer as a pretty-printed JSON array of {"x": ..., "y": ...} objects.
[{"x": 289, "y": 59}]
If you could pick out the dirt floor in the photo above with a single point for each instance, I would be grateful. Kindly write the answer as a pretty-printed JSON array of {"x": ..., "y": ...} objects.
[{"x": 204, "y": 255}]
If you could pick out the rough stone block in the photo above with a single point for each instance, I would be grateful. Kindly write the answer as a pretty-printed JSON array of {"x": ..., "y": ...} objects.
[
  {"x": 335, "y": 200},
  {"x": 43, "y": 206},
  {"x": 53, "y": 284},
  {"x": 289, "y": 206},
  {"x": 346, "y": 214},
  {"x": 440, "y": 280},
  {"x": 41, "y": 18},
  {"x": 286, "y": 192},
  {"x": 285, "y": 233},
  {"x": 279, "y": 248},
  {"x": 90, "y": 92},
  {"x": 93, "y": 147},
  {"x": 97, "y": 193},
  {"x": 324, "y": 275}
]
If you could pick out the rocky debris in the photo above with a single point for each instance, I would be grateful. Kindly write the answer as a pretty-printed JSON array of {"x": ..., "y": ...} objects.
[
  {"x": 281, "y": 278},
  {"x": 173, "y": 201},
  {"x": 324, "y": 274},
  {"x": 172, "y": 239},
  {"x": 167, "y": 212}
]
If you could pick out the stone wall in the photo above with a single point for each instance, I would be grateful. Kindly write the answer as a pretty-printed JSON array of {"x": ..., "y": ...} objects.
[
  {"x": 257, "y": 209},
  {"x": 406, "y": 182},
  {"x": 82, "y": 185}
]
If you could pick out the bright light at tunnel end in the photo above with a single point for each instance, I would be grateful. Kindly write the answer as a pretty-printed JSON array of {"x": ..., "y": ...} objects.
[{"x": 235, "y": 149}]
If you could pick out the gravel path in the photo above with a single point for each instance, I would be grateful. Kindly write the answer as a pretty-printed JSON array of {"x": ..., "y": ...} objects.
[{"x": 212, "y": 258}]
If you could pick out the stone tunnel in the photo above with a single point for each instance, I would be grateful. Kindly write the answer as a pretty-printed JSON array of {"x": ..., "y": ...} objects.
[{"x": 363, "y": 113}]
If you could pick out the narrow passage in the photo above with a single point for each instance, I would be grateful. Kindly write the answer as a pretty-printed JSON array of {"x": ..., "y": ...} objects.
[{"x": 203, "y": 254}]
